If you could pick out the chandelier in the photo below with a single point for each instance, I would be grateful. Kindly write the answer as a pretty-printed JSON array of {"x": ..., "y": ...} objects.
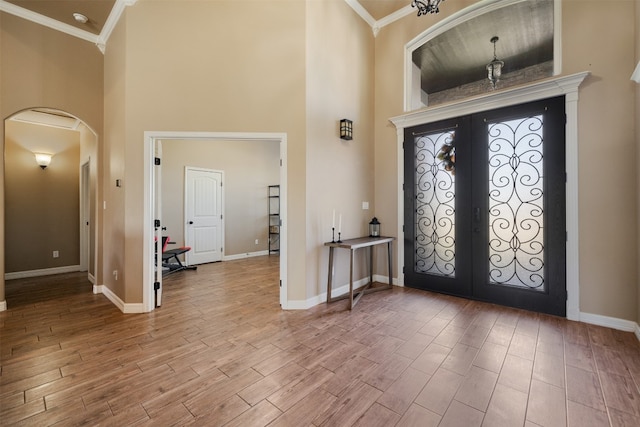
[
  {"x": 426, "y": 6},
  {"x": 494, "y": 68}
]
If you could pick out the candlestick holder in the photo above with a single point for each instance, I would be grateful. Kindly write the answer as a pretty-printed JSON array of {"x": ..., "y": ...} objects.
[
  {"x": 333, "y": 234},
  {"x": 339, "y": 239}
]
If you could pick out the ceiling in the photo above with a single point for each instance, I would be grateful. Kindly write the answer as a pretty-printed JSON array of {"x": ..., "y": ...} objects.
[
  {"x": 378, "y": 9},
  {"x": 453, "y": 58},
  {"x": 460, "y": 55},
  {"x": 62, "y": 10}
]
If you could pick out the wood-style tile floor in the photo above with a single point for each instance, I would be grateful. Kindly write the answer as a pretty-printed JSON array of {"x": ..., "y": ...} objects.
[{"x": 220, "y": 351}]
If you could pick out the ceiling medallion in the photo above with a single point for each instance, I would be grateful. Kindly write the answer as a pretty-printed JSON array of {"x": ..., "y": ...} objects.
[{"x": 426, "y": 6}]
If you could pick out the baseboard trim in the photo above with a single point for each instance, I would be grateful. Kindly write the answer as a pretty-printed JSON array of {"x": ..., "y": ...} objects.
[
  {"x": 244, "y": 256},
  {"x": 610, "y": 322},
  {"x": 322, "y": 298},
  {"x": 3, "y": 305},
  {"x": 41, "y": 272},
  {"x": 127, "y": 308},
  {"x": 593, "y": 319},
  {"x": 385, "y": 279}
]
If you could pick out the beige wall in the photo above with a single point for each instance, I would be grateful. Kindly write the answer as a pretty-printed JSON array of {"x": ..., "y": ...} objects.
[
  {"x": 113, "y": 160},
  {"x": 608, "y": 188},
  {"x": 637, "y": 133},
  {"x": 608, "y": 247},
  {"x": 274, "y": 67},
  {"x": 41, "y": 206},
  {"x": 340, "y": 174},
  {"x": 248, "y": 167},
  {"x": 41, "y": 67},
  {"x": 223, "y": 66}
]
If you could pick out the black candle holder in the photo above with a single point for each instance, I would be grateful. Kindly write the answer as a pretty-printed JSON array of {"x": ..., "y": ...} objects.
[
  {"x": 339, "y": 240},
  {"x": 333, "y": 234}
]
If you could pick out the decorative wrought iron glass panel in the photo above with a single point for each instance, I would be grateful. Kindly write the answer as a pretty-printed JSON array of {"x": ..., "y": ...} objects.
[
  {"x": 516, "y": 205},
  {"x": 435, "y": 203}
]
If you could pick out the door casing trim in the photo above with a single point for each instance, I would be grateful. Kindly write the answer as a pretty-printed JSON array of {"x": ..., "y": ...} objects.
[
  {"x": 547, "y": 88},
  {"x": 148, "y": 244}
]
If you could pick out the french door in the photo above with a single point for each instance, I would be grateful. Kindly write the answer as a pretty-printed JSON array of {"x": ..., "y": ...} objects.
[{"x": 485, "y": 206}]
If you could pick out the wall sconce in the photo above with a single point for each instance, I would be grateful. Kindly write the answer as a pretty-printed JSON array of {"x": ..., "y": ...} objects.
[
  {"x": 43, "y": 159},
  {"x": 346, "y": 129}
]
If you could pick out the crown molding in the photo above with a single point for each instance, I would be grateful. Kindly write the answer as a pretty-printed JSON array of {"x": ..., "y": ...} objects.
[
  {"x": 99, "y": 40},
  {"x": 362, "y": 12},
  {"x": 112, "y": 21},
  {"x": 47, "y": 22},
  {"x": 376, "y": 26},
  {"x": 398, "y": 14}
]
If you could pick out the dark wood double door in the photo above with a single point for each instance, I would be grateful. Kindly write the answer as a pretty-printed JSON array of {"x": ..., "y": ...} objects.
[{"x": 485, "y": 206}]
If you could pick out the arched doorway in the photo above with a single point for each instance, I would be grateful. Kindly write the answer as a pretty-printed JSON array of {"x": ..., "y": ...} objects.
[{"x": 50, "y": 205}]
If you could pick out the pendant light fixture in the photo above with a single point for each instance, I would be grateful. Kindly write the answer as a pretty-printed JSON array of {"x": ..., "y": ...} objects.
[
  {"x": 426, "y": 6},
  {"x": 494, "y": 68}
]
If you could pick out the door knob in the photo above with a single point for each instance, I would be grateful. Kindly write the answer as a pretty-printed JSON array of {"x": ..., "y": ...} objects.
[{"x": 190, "y": 222}]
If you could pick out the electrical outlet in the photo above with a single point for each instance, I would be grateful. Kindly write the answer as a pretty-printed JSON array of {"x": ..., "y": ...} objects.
[
  {"x": 365, "y": 206},
  {"x": 256, "y": 241},
  {"x": 115, "y": 274},
  {"x": 56, "y": 254}
]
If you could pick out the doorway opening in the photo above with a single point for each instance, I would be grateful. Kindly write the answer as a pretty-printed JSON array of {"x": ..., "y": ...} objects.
[
  {"x": 154, "y": 141},
  {"x": 50, "y": 209},
  {"x": 485, "y": 206},
  {"x": 557, "y": 86}
]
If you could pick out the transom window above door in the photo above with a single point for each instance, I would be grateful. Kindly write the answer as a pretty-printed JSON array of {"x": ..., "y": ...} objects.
[{"x": 449, "y": 60}]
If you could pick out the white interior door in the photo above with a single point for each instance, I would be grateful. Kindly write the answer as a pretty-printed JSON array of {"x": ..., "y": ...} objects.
[
  {"x": 203, "y": 215},
  {"x": 85, "y": 210},
  {"x": 157, "y": 187}
]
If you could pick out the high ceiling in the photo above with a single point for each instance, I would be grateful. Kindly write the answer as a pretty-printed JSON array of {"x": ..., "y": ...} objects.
[
  {"x": 460, "y": 55},
  {"x": 381, "y": 8},
  {"x": 97, "y": 11},
  {"x": 453, "y": 58}
]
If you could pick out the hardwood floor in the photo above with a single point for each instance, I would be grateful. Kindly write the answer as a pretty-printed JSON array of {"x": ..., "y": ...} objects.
[{"x": 221, "y": 352}]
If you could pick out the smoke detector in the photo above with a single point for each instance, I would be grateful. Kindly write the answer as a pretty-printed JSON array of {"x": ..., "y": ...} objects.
[{"x": 80, "y": 18}]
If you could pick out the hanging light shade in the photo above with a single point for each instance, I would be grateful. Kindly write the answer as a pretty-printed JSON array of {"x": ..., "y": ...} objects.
[
  {"x": 427, "y": 6},
  {"x": 494, "y": 68}
]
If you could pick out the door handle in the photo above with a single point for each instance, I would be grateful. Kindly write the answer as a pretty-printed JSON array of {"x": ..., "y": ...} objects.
[
  {"x": 476, "y": 219},
  {"x": 476, "y": 214},
  {"x": 190, "y": 222}
]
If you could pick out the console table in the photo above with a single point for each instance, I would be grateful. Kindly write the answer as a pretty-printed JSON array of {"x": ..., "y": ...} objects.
[{"x": 352, "y": 245}]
